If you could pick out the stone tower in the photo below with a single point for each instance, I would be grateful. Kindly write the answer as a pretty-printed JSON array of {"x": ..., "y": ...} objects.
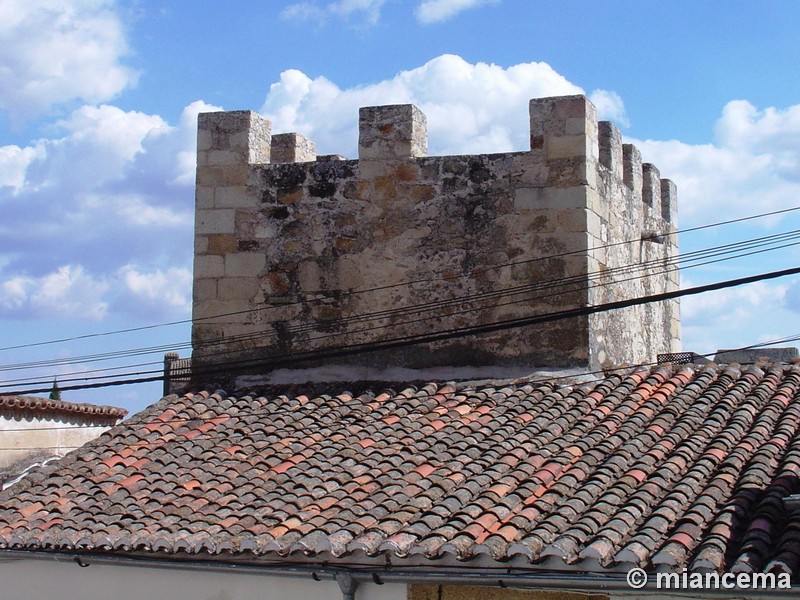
[{"x": 304, "y": 260}]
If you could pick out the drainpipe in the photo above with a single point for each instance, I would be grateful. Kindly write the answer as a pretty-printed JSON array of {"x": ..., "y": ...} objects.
[{"x": 347, "y": 584}]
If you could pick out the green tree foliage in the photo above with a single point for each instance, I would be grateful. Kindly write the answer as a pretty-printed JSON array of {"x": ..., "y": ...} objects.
[{"x": 55, "y": 393}]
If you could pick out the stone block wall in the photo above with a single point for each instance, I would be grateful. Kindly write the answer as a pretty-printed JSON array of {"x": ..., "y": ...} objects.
[{"x": 298, "y": 252}]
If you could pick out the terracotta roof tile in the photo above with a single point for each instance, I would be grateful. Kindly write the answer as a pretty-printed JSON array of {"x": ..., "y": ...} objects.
[
  {"x": 46, "y": 406},
  {"x": 659, "y": 468}
]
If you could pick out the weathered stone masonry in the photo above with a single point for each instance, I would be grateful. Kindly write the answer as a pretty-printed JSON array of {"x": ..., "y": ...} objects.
[{"x": 286, "y": 242}]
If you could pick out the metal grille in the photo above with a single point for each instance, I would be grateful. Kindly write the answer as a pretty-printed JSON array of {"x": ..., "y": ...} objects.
[
  {"x": 177, "y": 372},
  {"x": 677, "y": 358}
]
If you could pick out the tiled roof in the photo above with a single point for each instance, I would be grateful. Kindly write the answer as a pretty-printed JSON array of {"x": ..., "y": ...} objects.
[
  {"x": 663, "y": 468},
  {"x": 37, "y": 404},
  {"x": 12, "y": 473}
]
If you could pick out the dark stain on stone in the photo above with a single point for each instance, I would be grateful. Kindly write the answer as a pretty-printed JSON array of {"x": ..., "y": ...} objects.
[
  {"x": 324, "y": 189},
  {"x": 278, "y": 212},
  {"x": 247, "y": 245},
  {"x": 478, "y": 173}
]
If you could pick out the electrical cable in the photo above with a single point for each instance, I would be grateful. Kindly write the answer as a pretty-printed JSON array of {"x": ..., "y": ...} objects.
[
  {"x": 470, "y": 274},
  {"x": 260, "y": 335},
  {"x": 439, "y": 304},
  {"x": 550, "y": 380},
  {"x": 405, "y": 341}
]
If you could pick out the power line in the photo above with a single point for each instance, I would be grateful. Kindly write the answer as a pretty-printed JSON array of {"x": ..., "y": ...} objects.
[
  {"x": 66, "y": 376},
  {"x": 549, "y": 284},
  {"x": 82, "y": 376},
  {"x": 549, "y": 380},
  {"x": 408, "y": 283},
  {"x": 558, "y": 283},
  {"x": 416, "y": 319},
  {"x": 736, "y": 249},
  {"x": 410, "y": 340}
]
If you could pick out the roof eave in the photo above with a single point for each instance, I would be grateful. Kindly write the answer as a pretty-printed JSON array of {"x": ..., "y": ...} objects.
[{"x": 511, "y": 577}]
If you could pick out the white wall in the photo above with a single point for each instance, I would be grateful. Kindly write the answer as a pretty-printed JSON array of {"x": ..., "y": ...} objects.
[
  {"x": 51, "y": 580},
  {"x": 24, "y": 436}
]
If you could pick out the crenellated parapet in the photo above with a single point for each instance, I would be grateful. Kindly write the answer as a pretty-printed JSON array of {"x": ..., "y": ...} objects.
[
  {"x": 296, "y": 251},
  {"x": 292, "y": 147},
  {"x": 392, "y": 132}
]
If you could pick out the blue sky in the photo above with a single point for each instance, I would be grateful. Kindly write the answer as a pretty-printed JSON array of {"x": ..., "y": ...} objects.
[{"x": 98, "y": 105}]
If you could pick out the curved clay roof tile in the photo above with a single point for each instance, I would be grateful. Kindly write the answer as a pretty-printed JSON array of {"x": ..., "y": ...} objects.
[{"x": 46, "y": 405}]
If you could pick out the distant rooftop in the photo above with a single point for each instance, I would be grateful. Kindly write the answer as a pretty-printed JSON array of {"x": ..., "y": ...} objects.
[
  {"x": 753, "y": 355},
  {"x": 47, "y": 406}
]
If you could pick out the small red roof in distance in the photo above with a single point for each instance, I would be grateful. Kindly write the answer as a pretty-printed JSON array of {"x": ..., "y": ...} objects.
[{"x": 38, "y": 404}]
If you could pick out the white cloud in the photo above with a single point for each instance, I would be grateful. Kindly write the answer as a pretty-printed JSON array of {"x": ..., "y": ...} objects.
[
  {"x": 99, "y": 146},
  {"x": 742, "y": 125},
  {"x": 436, "y": 11},
  {"x": 791, "y": 297},
  {"x": 66, "y": 292},
  {"x": 471, "y": 108},
  {"x": 368, "y": 10},
  {"x": 734, "y": 317},
  {"x": 14, "y": 162},
  {"x": 112, "y": 129},
  {"x": 732, "y": 303},
  {"x": 304, "y": 11},
  {"x": 610, "y": 105},
  {"x": 104, "y": 156},
  {"x": 112, "y": 188},
  {"x": 101, "y": 142},
  {"x": 56, "y": 51},
  {"x": 752, "y": 166},
  {"x": 155, "y": 292},
  {"x": 72, "y": 292},
  {"x": 136, "y": 211}
]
